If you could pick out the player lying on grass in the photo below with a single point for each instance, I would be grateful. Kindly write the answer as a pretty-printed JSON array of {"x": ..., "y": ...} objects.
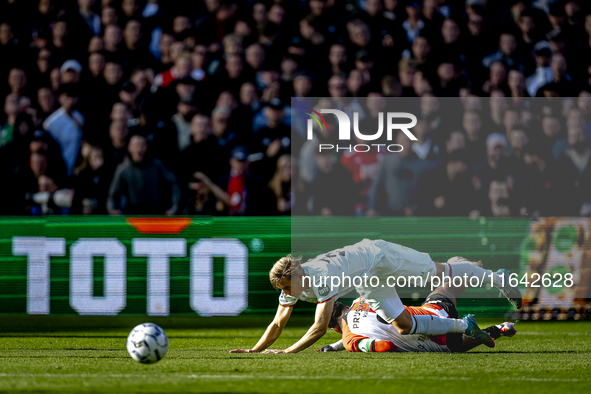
[
  {"x": 378, "y": 259},
  {"x": 364, "y": 331}
]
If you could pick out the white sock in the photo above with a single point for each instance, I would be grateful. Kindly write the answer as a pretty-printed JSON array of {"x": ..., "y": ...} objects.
[
  {"x": 435, "y": 325},
  {"x": 461, "y": 267}
]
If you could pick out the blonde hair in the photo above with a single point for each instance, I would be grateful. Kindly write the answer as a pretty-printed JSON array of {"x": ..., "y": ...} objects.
[
  {"x": 284, "y": 268},
  {"x": 275, "y": 182}
]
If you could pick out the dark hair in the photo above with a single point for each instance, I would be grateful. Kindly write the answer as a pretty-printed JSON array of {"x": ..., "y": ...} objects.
[
  {"x": 69, "y": 89},
  {"x": 337, "y": 312},
  {"x": 25, "y": 118}
]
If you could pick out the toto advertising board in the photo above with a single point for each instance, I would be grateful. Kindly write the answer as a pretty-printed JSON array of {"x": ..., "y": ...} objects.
[{"x": 206, "y": 266}]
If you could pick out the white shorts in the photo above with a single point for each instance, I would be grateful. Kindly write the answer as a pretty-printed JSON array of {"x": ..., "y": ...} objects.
[
  {"x": 395, "y": 261},
  {"x": 398, "y": 260}
]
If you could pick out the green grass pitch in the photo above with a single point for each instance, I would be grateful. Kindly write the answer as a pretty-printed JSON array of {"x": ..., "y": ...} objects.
[{"x": 541, "y": 358}]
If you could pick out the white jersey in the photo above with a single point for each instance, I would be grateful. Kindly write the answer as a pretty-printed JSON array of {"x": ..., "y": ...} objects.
[{"x": 364, "y": 259}]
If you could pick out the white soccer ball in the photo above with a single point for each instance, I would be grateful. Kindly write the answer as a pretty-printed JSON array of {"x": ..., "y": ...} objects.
[{"x": 147, "y": 343}]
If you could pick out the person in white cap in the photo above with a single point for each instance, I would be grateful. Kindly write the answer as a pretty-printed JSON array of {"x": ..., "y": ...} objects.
[
  {"x": 70, "y": 72},
  {"x": 543, "y": 74},
  {"x": 496, "y": 167}
]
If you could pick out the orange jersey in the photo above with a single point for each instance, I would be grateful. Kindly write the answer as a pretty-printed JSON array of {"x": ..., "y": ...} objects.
[{"x": 427, "y": 309}]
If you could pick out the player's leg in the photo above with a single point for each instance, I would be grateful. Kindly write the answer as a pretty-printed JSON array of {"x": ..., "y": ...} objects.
[
  {"x": 407, "y": 324},
  {"x": 506, "y": 329},
  {"x": 392, "y": 311},
  {"x": 447, "y": 294},
  {"x": 445, "y": 298},
  {"x": 398, "y": 260},
  {"x": 461, "y": 267}
]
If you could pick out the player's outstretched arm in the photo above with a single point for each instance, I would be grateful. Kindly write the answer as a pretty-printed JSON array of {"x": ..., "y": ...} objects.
[
  {"x": 272, "y": 333},
  {"x": 318, "y": 329},
  {"x": 333, "y": 347}
]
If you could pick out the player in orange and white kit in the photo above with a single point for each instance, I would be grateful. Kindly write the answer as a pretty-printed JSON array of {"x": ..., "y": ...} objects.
[{"x": 363, "y": 330}]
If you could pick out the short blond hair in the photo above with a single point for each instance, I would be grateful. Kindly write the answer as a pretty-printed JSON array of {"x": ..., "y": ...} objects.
[{"x": 284, "y": 268}]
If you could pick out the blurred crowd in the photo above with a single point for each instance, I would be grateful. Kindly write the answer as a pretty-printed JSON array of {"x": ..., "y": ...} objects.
[{"x": 184, "y": 106}]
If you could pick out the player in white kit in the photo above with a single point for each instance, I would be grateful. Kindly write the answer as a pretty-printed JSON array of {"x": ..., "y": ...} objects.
[{"x": 314, "y": 281}]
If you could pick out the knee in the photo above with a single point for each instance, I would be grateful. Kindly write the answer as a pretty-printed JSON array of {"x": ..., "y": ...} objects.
[{"x": 403, "y": 330}]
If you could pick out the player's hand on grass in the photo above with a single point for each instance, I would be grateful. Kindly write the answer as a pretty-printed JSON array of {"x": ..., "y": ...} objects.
[
  {"x": 274, "y": 351},
  {"x": 326, "y": 348},
  {"x": 242, "y": 351}
]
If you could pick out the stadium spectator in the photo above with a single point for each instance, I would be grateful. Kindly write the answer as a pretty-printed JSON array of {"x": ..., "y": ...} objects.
[
  {"x": 205, "y": 197},
  {"x": 424, "y": 147},
  {"x": 271, "y": 141},
  {"x": 281, "y": 185},
  {"x": 91, "y": 184},
  {"x": 456, "y": 141},
  {"x": 246, "y": 190},
  {"x": 543, "y": 73},
  {"x": 66, "y": 124},
  {"x": 204, "y": 154},
  {"x": 11, "y": 110},
  {"x": 332, "y": 190},
  {"x": 414, "y": 22},
  {"x": 17, "y": 81},
  {"x": 226, "y": 138},
  {"x": 475, "y": 144},
  {"x": 117, "y": 148},
  {"x": 516, "y": 84},
  {"x": 394, "y": 190},
  {"x": 498, "y": 203},
  {"x": 46, "y": 102},
  {"x": 142, "y": 185},
  {"x": 497, "y": 79},
  {"x": 243, "y": 115},
  {"x": 89, "y": 17},
  {"x": 406, "y": 74},
  {"x": 337, "y": 58},
  {"x": 496, "y": 166},
  {"x": 511, "y": 120},
  {"x": 49, "y": 199},
  {"x": 70, "y": 72},
  {"x": 157, "y": 65},
  {"x": 573, "y": 175},
  {"x": 506, "y": 54},
  {"x": 447, "y": 190},
  {"x": 364, "y": 165},
  {"x": 552, "y": 131},
  {"x": 561, "y": 82},
  {"x": 186, "y": 108}
]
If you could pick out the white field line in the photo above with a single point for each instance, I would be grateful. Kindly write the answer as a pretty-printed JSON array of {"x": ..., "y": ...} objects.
[{"x": 271, "y": 377}]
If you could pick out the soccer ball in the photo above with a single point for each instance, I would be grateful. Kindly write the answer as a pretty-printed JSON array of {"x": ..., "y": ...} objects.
[{"x": 147, "y": 343}]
